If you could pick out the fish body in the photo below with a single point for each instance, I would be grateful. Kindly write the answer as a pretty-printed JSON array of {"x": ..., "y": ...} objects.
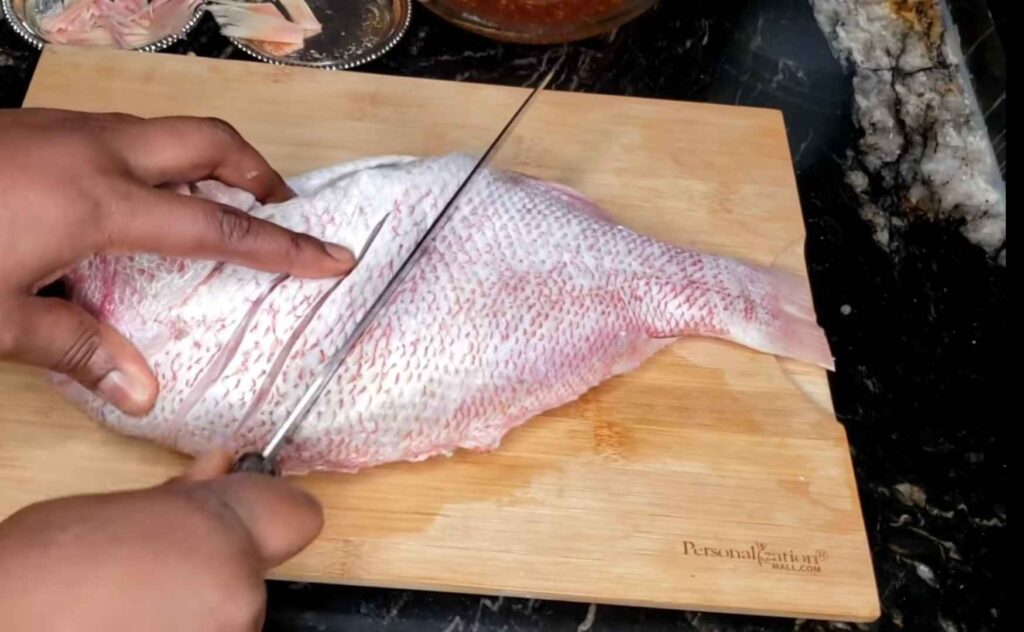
[
  {"x": 528, "y": 297},
  {"x": 116, "y": 23}
]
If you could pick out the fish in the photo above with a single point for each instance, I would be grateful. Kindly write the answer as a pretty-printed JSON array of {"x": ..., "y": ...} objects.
[
  {"x": 135, "y": 23},
  {"x": 260, "y": 21},
  {"x": 263, "y": 25},
  {"x": 116, "y": 23},
  {"x": 529, "y": 297},
  {"x": 301, "y": 14}
]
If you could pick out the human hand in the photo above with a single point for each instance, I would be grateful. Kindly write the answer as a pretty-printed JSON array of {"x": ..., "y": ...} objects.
[
  {"x": 74, "y": 184},
  {"x": 186, "y": 555}
]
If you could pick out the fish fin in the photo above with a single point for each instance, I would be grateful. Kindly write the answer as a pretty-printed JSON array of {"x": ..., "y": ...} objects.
[
  {"x": 798, "y": 336},
  {"x": 802, "y": 339},
  {"x": 765, "y": 309}
]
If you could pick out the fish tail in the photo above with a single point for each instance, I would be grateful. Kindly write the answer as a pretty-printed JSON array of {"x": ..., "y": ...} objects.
[
  {"x": 791, "y": 328},
  {"x": 765, "y": 309}
]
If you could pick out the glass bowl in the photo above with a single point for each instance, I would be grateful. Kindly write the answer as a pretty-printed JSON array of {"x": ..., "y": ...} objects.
[{"x": 538, "y": 21}]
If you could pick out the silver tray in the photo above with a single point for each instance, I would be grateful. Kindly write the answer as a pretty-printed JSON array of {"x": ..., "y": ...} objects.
[{"x": 355, "y": 32}]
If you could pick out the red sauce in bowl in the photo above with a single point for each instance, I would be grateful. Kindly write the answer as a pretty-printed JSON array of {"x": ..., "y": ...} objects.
[{"x": 539, "y": 21}]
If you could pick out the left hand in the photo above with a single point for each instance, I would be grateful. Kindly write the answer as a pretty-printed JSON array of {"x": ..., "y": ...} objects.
[{"x": 73, "y": 185}]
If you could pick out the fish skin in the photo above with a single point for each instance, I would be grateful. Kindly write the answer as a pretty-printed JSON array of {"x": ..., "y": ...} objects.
[
  {"x": 116, "y": 23},
  {"x": 529, "y": 297}
]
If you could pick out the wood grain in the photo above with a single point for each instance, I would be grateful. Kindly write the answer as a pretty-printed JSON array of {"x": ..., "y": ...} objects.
[{"x": 712, "y": 478}]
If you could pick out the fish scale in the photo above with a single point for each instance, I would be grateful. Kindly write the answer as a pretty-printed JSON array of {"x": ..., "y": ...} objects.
[{"x": 525, "y": 300}]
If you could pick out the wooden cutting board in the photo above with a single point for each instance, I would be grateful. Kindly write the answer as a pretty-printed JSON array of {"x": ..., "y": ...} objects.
[{"x": 713, "y": 478}]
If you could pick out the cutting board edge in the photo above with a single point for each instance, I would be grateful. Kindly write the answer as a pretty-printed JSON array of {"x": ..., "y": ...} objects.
[
  {"x": 869, "y": 614},
  {"x": 861, "y": 524},
  {"x": 52, "y": 50}
]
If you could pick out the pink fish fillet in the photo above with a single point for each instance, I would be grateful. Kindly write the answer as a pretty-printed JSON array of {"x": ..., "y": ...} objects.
[
  {"x": 302, "y": 15},
  {"x": 117, "y": 23},
  {"x": 528, "y": 298},
  {"x": 261, "y": 22}
]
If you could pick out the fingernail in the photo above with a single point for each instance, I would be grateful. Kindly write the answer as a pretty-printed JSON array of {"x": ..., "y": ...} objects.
[
  {"x": 342, "y": 254},
  {"x": 128, "y": 394},
  {"x": 287, "y": 194}
]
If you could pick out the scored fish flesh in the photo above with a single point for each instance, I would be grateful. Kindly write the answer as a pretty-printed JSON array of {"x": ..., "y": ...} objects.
[{"x": 528, "y": 297}]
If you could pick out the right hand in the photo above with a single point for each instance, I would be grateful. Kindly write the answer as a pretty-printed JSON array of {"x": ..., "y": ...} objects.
[
  {"x": 73, "y": 185},
  {"x": 186, "y": 555}
]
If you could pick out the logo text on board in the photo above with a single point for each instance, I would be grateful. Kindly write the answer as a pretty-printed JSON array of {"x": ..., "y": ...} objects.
[{"x": 784, "y": 560}]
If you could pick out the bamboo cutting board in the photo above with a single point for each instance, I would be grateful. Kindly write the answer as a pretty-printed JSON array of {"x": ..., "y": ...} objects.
[{"x": 713, "y": 478}]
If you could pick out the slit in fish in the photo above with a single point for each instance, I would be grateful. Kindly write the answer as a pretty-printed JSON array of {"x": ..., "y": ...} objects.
[
  {"x": 275, "y": 369},
  {"x": 223, "y": 358},
  {"x": 282, "y": 357}
]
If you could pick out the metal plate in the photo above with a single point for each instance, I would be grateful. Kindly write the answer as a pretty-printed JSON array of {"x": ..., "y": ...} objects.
[
  {"x": 354, "y": 32},
  {"x": 22, "y": 16}
]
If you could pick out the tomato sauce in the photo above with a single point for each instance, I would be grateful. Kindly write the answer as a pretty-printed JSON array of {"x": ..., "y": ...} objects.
[{"x": 519, "y": 14}]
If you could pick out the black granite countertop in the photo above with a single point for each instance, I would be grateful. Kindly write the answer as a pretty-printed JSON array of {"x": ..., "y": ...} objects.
[{"x": 919, "y": 326}]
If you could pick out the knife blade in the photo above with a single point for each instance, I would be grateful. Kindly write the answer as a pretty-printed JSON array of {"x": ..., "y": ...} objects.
[{"x": 265, "y": 462}]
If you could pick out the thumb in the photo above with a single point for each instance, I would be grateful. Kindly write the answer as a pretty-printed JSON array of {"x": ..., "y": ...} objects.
[
  {"x": 281, "y": 518},
  {"x": 55, "y": 334}
]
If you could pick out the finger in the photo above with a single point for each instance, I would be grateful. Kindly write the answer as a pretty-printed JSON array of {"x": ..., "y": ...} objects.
[
  {"x": 54, "y": 334},
  {"x": 281, "y": 518},
  {"x": 211, "y": 465},
  {"x": 189, "y": 149},
  {"x": 192, "y": 227}
]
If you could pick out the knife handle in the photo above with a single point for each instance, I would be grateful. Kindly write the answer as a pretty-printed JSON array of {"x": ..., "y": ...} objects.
[{"x": 255, "y": 463}]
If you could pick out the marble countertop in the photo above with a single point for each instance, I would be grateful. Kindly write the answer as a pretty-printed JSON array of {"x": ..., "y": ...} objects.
[{"x": 918, "y": 322}]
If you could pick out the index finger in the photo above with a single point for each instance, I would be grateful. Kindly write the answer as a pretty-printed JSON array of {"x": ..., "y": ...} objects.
[
  {"x": 182, "y": 149},
  {"x": 151, "y": 220}
]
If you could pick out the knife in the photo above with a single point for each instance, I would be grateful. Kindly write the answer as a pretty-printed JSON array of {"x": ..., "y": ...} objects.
[{"x": 265, "y": 462}]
